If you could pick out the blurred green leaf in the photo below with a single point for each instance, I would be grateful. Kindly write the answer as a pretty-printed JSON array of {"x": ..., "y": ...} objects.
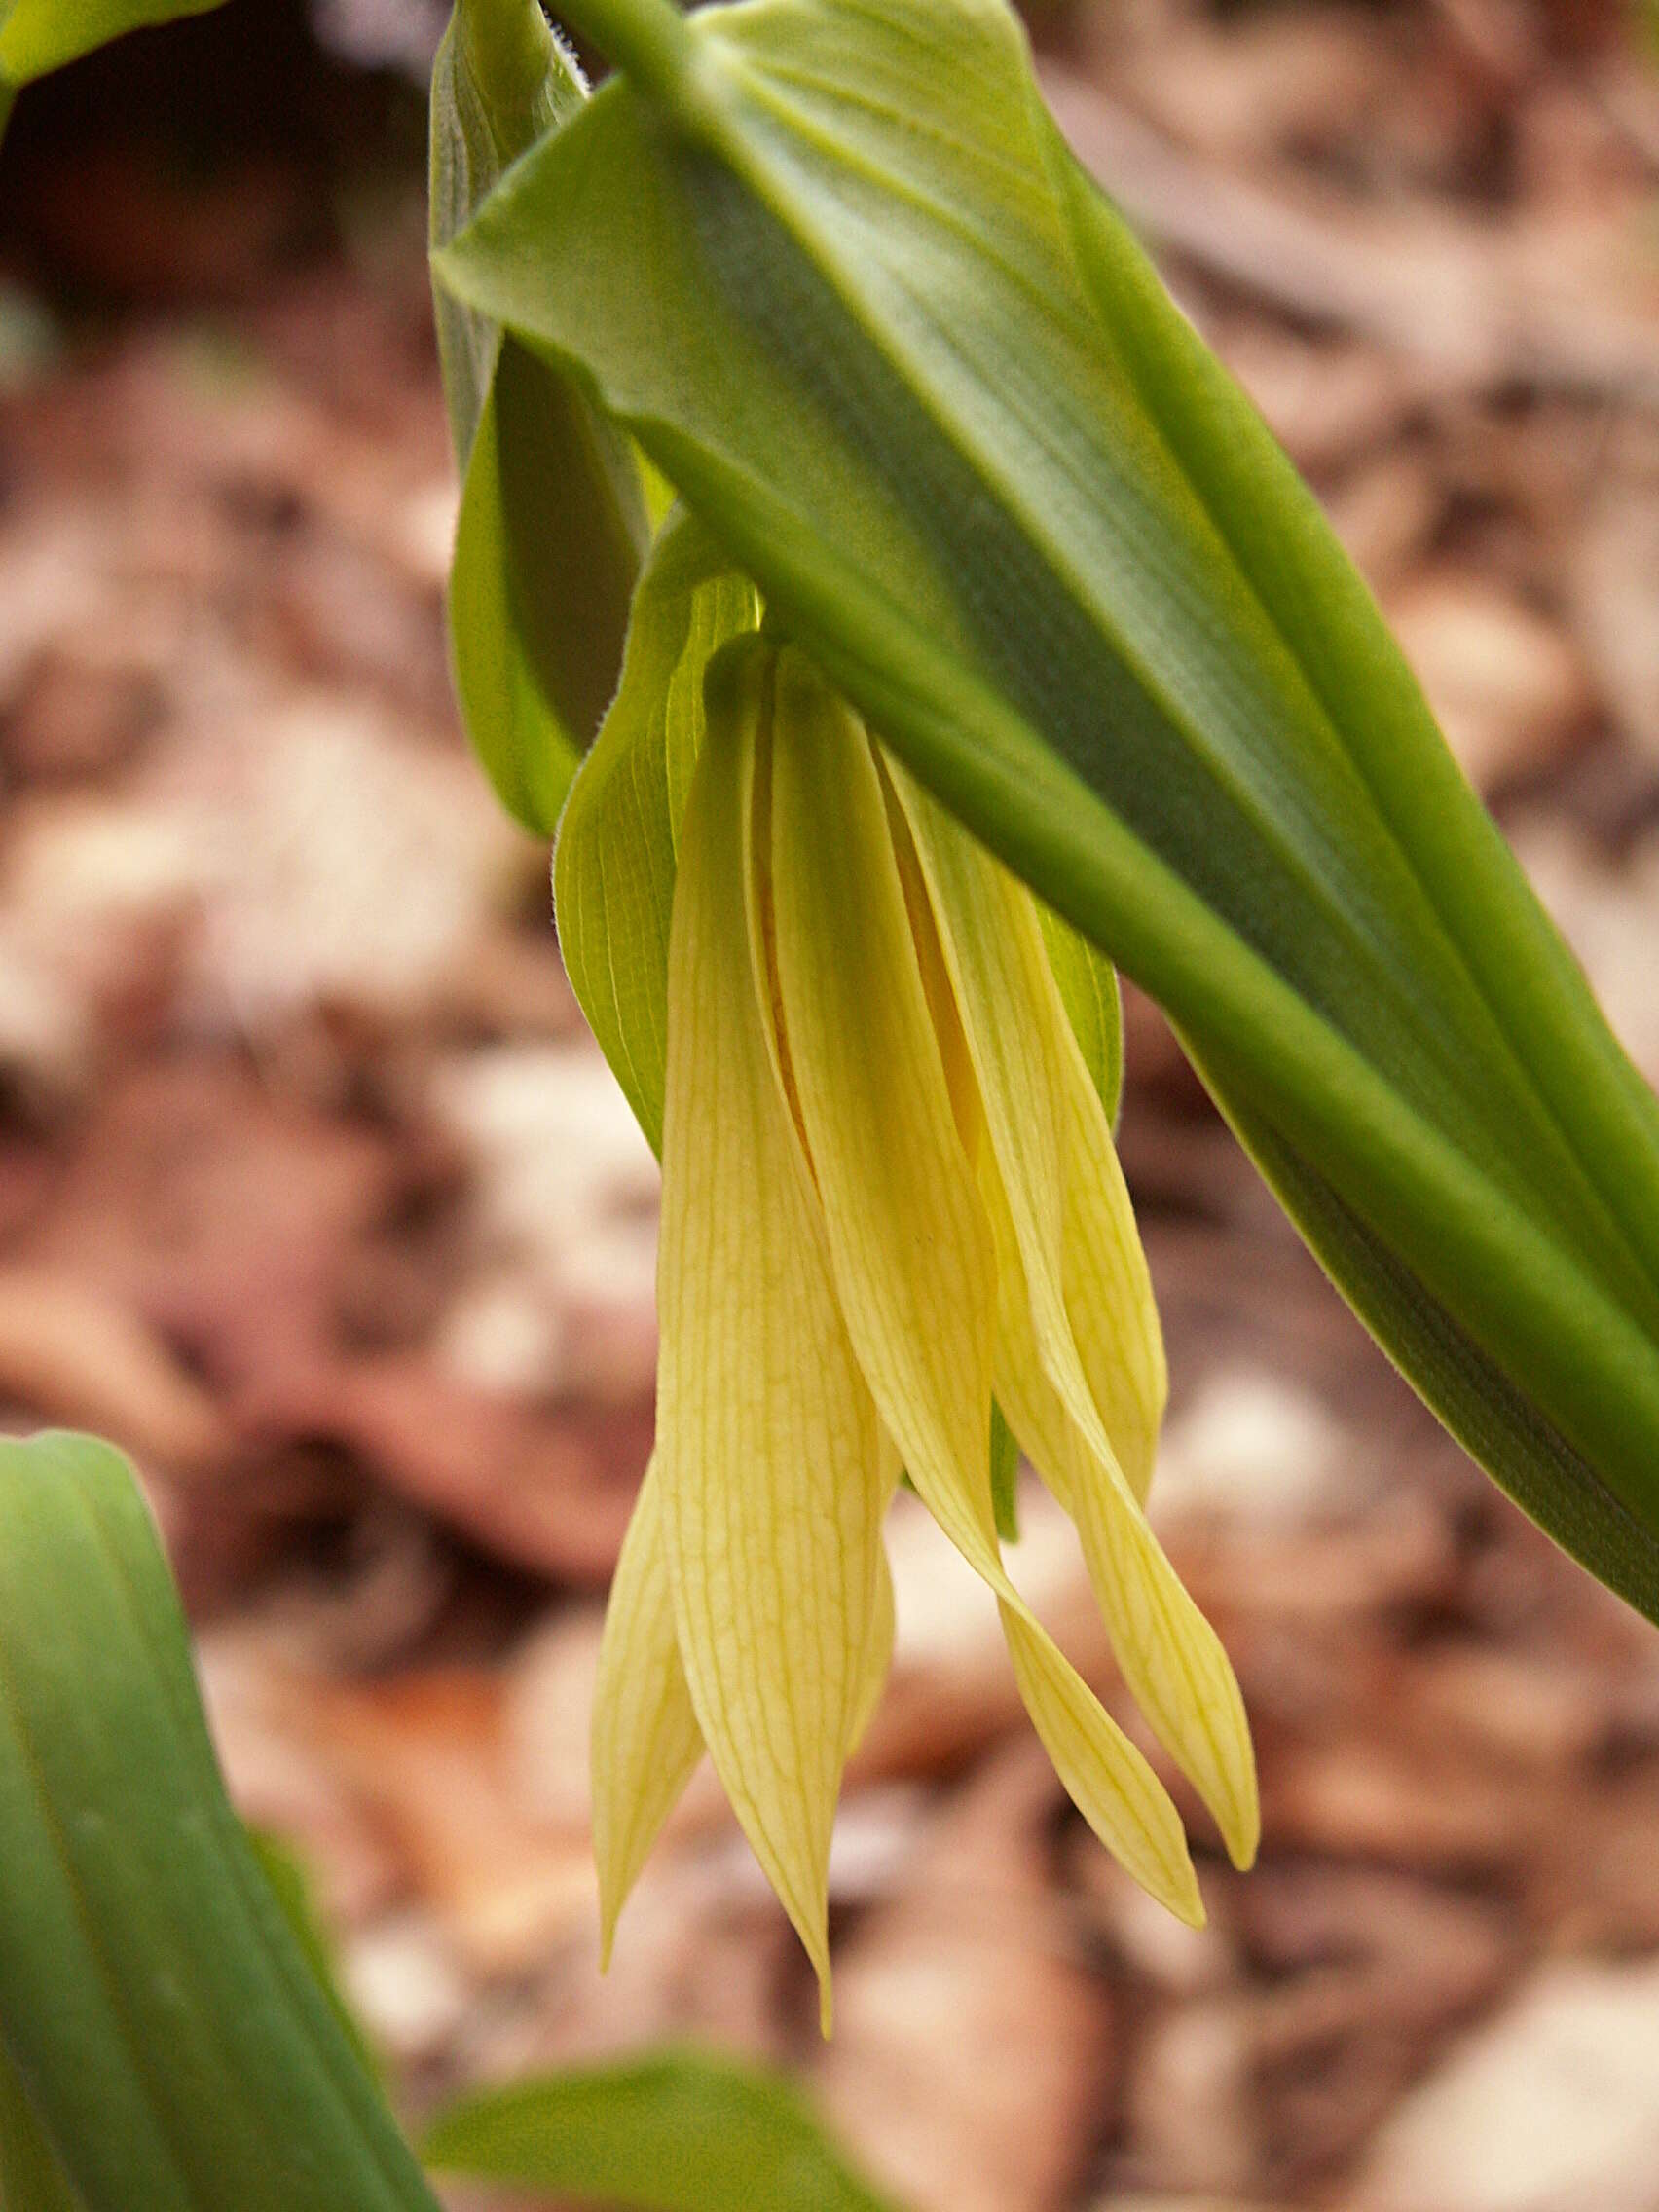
[
  {"x": 683, "y": 2131},
  {"x": 835, "y": 270},
  {"x": 291, "y": 1887},
  {"x": 37, "y": 36},
  {"x": 170, "y": 2034},
  {"x": 553, "y": 522}
]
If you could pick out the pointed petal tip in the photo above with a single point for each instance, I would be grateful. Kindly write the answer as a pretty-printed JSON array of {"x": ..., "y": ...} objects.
[
  {"x": 1237, "y": 1806},
  {"x": 1176, "y": 1886},
  {"x": 1172, "y": 1883},
  {"x": 814, "y": 1934},
  {"x": 1243, "y": 1839},
  {"x": 612, "y": 1897},
  {"x": 1188, "y": 1904}
]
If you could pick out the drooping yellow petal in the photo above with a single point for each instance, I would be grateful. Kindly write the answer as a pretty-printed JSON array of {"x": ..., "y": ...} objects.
[
  {"x": 1092, "y": 1299},
  {"x": 1108, "y": 1288},
  {"x": 646, "y": 1741},
  {"x": 877, "y": 1659},
  {"x": 910, "y": 1243},
  {"x": 771, "y": 1459},
  {"x": 646, "y": 1737},
  {"x": 1069, "y": 1275},
  {"x": 1172, "y": 1659}
]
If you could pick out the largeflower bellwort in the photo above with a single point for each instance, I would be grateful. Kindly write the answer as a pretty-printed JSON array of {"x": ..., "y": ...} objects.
[{"x": 890, "y": 1193}]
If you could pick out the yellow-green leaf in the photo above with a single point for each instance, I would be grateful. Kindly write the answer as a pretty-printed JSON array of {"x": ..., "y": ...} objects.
[
  {"x": 1093, "y": 1003},
  {"x": 37, "y": 36},
  {"x": 613, "y": 867}
]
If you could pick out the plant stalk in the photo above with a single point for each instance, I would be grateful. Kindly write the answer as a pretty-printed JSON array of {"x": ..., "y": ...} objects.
[{"x": 647, "y": 40}]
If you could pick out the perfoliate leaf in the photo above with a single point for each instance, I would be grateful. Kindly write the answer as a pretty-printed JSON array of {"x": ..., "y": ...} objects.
[
  {"x": 170, "y": 2035},
  {"x": 553, "y": 520},
  {"x": 681, "y": 2132},
  {"x": 835, "y": 268}
]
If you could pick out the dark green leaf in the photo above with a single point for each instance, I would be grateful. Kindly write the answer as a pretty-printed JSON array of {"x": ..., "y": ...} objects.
[
  {"x": 679, "y": 2132},
  {"x": 169, "y": 2031},
  {"x": 835, "y": 268},
  {"x": 32, "y": 2176}
]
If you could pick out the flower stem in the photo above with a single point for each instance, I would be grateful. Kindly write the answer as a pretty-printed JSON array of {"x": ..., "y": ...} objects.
[{"x": 646, "y": 39}]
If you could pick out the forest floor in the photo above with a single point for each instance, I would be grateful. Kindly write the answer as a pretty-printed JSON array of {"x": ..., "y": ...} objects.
[{"x": 314, "y": 1194}]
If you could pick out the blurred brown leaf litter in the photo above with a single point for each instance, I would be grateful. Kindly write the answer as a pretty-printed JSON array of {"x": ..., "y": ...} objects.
[{"x": 315, "y": 1196}]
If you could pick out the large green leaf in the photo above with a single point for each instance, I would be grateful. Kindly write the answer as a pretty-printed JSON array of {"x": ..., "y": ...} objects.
[
  {"x": 683, "y": 2131},
  {"x": 832, "y": 266},
  {"x": 290, "y": 1885},
  {"x": 31, "y": 2175},
  {"x": 165, "y": 2027},
  {"x": 552, "y": 521}
]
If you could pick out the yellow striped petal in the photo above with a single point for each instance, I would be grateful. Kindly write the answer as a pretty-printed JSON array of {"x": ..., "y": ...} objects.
[
  {"x": 646, "y": 1737},
  {"x": 1092, "y": 1299},
  {"x": 1108, "y": 1288},
  {"x": 1172, "y": 1659},
  {"x": 1071, "y": 1274},
  {"x": 772, "y": 1466},
  {"x": 912, "y": 1247},
  {"x": 878, "y": 1661}
]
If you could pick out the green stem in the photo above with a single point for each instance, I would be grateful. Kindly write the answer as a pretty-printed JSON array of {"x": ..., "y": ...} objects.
[{"x": 646, "y": 39}]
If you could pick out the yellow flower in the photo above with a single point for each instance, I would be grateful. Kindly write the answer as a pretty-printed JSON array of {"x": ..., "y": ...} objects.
[{"x": 889, "y": 1190}]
